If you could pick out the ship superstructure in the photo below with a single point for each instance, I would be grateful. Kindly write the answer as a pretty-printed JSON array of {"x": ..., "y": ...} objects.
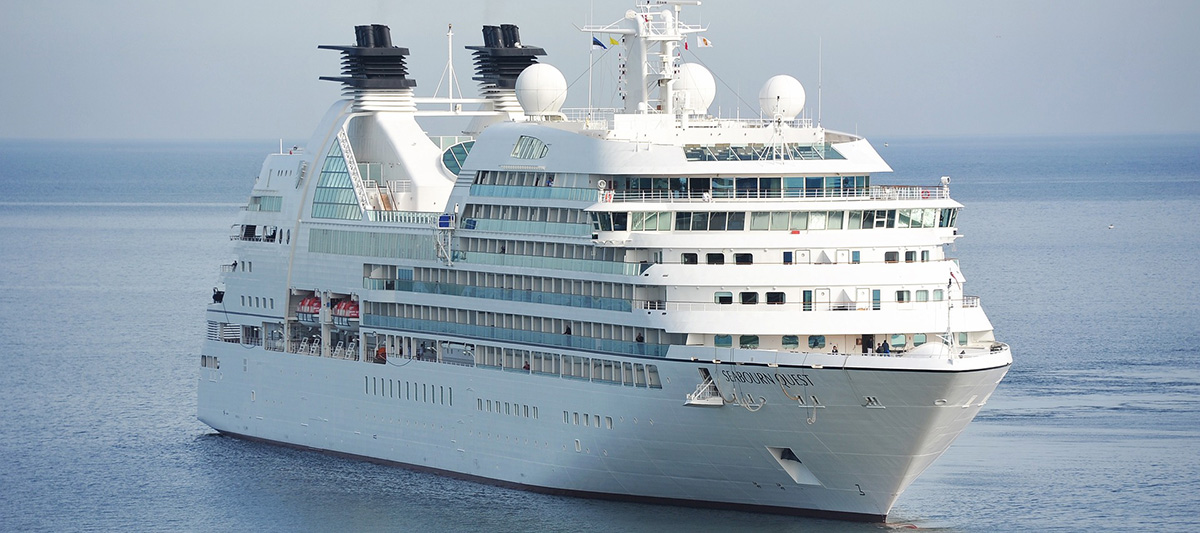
[{"x": 648, "y": 303}]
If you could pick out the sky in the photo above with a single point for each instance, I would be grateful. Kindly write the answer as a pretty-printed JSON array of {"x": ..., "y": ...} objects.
[{"x": 241, "y": 70}]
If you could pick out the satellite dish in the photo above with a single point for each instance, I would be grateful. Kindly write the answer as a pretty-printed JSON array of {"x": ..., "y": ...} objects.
[
  {"x": 781, "y": 96},
  {"x": 541, "y": 89}
]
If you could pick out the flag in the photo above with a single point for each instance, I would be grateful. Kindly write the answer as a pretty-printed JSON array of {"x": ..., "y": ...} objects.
[
  {"x": 612, "y": 42},
  {"x": 704, "y": 42},
  {"x": 597, "y": 44},
  {"x": 685, "y": 45}
]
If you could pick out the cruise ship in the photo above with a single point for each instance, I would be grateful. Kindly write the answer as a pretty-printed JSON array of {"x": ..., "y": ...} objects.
[{"x": 650, "y": 303}]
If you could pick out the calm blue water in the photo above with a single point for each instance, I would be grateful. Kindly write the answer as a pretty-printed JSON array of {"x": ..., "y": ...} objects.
[{"x": 109, "y": 251}]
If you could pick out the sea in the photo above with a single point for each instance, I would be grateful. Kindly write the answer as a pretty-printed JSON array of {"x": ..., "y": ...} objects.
[{"x": 1084, "y": 251}]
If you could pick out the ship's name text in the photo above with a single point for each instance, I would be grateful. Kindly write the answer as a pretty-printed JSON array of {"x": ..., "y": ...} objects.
[{"x": 787, "y": 380}]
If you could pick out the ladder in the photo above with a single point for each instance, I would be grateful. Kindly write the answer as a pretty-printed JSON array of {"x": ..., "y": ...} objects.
[{"x": 360, "y": 189}]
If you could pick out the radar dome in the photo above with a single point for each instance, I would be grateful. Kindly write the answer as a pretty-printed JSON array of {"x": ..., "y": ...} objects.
[
  {"x": 541, "y": 89},
  {"x": 782, "y": 95},
  {"x": 695, "y": 88}
]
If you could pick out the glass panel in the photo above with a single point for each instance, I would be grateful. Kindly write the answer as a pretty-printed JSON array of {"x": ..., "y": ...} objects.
[
  {"x": 683, "y": 221},
  {"x": 715, "y": 258},
  {"x": 937, "y": 295},
  {"x": 835, "y": 220},
  {"x": 749, "y": 298},
  {"x": 638, "y": 220},
  {"x": 898, "y": 341},
  {"x": 855, "y": 257},
  {"x": 779, "y": 220},
  {"x": 918, "y": 339},
  {"x": 699, "y": 221},
  {"x": 816, "y": 220},
  {"x": 688, "y": 259},
  {"x": 723, "y": 297},
  {"x": 791, "y": 341},
  {"x": 922, "y": 296},
  {"x": 723, "y": 341},
  {"x": 716, "y": 221},
  {"x": 743, "y": 259},
  {"x": 855, "y": 220},
  {"x": 808, "y": 300},
  {"x": 799, "y": 220},
  {"x": 775, "y": 298},
  {"x": 962, "y": 338},
  {"x": 748, "y": 341},
  {"x": 760, "y": 220},
  {"x": 816, "y": 341},
  {"x": 737, "y": 221}
]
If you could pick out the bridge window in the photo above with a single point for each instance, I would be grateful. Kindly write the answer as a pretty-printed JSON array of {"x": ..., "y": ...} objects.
[
  {"x": 749, "y": 298},
  {"x": 529, "y": 148},
  {"x": 775, "y": 298},
  {"x": 715, "y": 259}
]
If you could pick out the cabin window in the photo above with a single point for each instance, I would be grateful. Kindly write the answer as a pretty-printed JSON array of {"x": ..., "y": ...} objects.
[
  {"x": 743, "y": 259},
  {"x": 924, "y": 256},
  {"x": 962, "y": 338},
  {"x": 855, "y": 257},
  {"x": 899, "y": 340},
  {"x": 816, "y": 341},
  {"x": 791, "y": 341},
  {"x": 808, "y": 300},
  {"x": 787, "y": 258},
  {"x": 903, "y": 297},
  {"x": 918, "y": 339},
  {"x": 922, "y": 296},
  {"x": 749, "y": 298},
  {"x": 891, "y": 257},
  {"x": 910, "y": 256},
  {"x": 723, "y": 341},
  {"x": 875, "y": 298},
  {"x": 937, "y": 295},
  {"x": 715, "y": 259},
  {"x": 748, "y": 341},
  {"x": 775, "y": 298},
  {"x": 688, "y": 259},
  {"x": 723, "y": 297}
]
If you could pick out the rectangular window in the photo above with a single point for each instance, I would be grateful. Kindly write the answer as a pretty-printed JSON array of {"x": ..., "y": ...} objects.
[
  {"x": 688, "y": 259},
  {"x": 779, "y": 221},
  {"x": 723, "y": 341},
  {"x": 760, "y": 220},
  {"x": 924, "y": 256},
  {"x": 748, "y": 342},
  {"x": 791, "y": 341},
  {"x": 922, "y": 296},
  {"x": 749, "y": 298},
  {"x": 899, "y": 340},
  {"x": 683, "y": 221},
  {"x": 891, "y": 257},
  {"x": 808, "y": 300},
  {"x": 855, "y": 220},
  {"x": 875, "y": 298},
  {"x": 816, "y": 341},
  {"x": 775, "y": 298},
  {"x": 937, "y": 295},
  {"x": 787, "y": 258},
  {"x": 743, "y": 259},
  {"x": 910, "y": 256},
  {"x": 715, "y": 258},
  {"x": 737, "y": 221},
  {"x": 918, "y": 339},
  {"x": 834, "y": 220},
  {"x": 962, "y": 338},
  {"x": 723, "y": 297},
  {"x": 716, "y": 221},
  {"x": 902, "y": 297},
  {"x": 855, "y": 257},
  {"x": 700, "y": 221}
]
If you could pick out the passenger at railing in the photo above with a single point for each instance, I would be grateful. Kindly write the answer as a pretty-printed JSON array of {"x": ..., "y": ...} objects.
[
  {"x": 640, "y": 338},
  {"x": 883, "y": 348},
  {"x": 834, "y": 349},
  {"x": 233, "y": 266},
  {"x": 567, "y": 331}
]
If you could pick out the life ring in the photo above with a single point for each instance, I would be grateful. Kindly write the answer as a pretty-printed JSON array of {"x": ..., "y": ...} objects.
[{"x": 925, "y": 194}]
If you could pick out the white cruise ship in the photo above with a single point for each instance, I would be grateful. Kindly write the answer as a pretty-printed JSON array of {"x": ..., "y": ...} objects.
[{"x": 650, "y": 303}]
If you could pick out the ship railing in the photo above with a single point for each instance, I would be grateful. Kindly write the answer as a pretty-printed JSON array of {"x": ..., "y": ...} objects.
[
  {"x": 791, "y": 307},
  {"x": 593, "y": 118},
  {"x": 403, "y": 217},
  {"x": 970, "y": 301},
  {"x": 874, "y": 192},
  {"x": 705, "y": 391}
]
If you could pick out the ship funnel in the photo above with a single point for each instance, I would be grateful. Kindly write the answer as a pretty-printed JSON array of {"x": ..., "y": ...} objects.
[
  {"x": 492, "y": 37},
  {"x": 374, "y": 73}
]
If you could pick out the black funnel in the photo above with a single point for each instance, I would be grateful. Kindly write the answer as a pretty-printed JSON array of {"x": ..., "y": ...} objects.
[
  {"x": 364, "y": 36},
  {"x": 383, "y": 35}
]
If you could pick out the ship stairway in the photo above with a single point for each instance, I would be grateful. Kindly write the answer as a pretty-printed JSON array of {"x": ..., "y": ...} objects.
[
  {"x": 360, "y": 188},
  {"x": 706, "y": 395}
]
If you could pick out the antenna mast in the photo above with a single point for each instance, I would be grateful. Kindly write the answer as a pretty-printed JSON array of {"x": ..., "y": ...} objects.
[{"x": 820, "y": 58}]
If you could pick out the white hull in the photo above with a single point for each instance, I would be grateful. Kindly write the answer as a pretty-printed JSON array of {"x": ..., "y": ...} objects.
[{"x": 858, "y": 458}]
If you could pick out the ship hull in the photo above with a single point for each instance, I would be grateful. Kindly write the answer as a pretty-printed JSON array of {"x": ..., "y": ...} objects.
[{"x": 854, "y": 436}]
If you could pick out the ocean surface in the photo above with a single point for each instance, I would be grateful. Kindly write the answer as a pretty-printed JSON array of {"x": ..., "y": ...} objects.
[{"x": 109, "y": 252}]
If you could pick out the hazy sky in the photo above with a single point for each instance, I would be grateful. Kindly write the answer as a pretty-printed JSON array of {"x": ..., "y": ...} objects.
[{"x": 154, "y": 69}]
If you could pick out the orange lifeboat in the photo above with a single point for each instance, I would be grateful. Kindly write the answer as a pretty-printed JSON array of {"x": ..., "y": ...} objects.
[
  {"x": 309, "y": 309},
  {"x": 345, "y": 314}
]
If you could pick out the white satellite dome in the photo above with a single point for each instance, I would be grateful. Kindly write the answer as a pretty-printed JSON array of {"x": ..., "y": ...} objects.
[
  {"x": 541, "y": 89},
  {"x": 782, "y": 95},
  {"x": 695, "y": 88}
]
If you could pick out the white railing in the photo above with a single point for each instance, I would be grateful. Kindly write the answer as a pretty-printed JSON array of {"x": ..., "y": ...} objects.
[{"x": 874, "y": 192}]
